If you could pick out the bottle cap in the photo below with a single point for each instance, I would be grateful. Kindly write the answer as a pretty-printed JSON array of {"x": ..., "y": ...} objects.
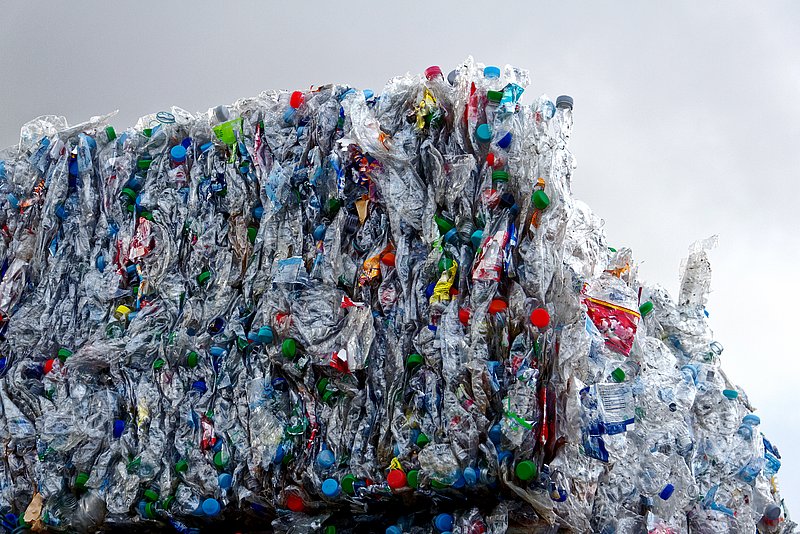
[
  {"x": 149, "y": 510},
  {"x": 772, "y": 511},
  {"x": 325, "y": 458},
  {"x": 119, "y": 428},
  {"x": 491, "y": 72},
  {"x": 412, "y": 478},
  {"x": 414, "y": 360},
  {"x": 48, "y": 365},
  {"x": 63, "y": 354},
  {"x": 225, "y": 480},
  {"x": 150, "y": 495},
  {"x": 460, "y": 481},
  {"x": 191, "y": 359},
  {"x": 252, "y": 233},
  {"x": 496, "y": 434},
  {"x": 483, "y": 133},
  {"x": 505, "y": 141},
  {"x": 451, "y": 236},
  {"x": 178, "y": 154},
  {"x": 443, "y": 223},
  {"x": 221, "y": 459},
  {"x": 490, "y": 159},
  {"x": 319, "y": 232},
  {"x": 211, "y": 507},
  {"x": 295, "y": 503},
  {"x": 476, "y": 238},
  {"x": 187, "y": 142},
  {"x": 452, "y": 77},
  {"x": 443, "y": 522},
  {"x": 463, "y": 316},
  {"x": 330, "y": 488},
  {"x": 494, "y": 96},
  {"x": 389, "y": 259},
  {"x": 368, "y": 93},
  {"x": 751, "y": 419},
  {"x": 422, "y": 440},
  {"x": 110, "y": 133},
  {"x": 258, "y": 212},
  {"x": 470, "y": 476},
  {"x": 394, "y": 529},
  {"x": 666, "y": 493},
  {"x": 144, "y": 163},
  {"x": 200, "y": 386},
  {"x": 203, "y": 277},
  {"x": 525, "y": 470},
  {"x": 646, "y": 308},
  {"x": 564, "y": 101},
  {"x": 540, "y": 318},
  {"x": 499, "y": 176},
  {"x": 618, "y": 375},
  {"x": 296, "y": 100},
  {"x": 396, "y": 479},
  {"x": 432, "y": 72},
  {"x": 158, "y": 363},
  {"x": 540, "y": 199},
  {"x": 289, "y": 348},
  {"x": 265, "y": 334},
  {"x": 347, "y": 484},
  {"x": 444, "y": 264},
  {"x": 81, "y": 479},
  {"x": 330, "y": 529},
  {"x": 497, "y": 306},
  {"x": 181, "y": 466},
  {"x": 731, "y": 393}
]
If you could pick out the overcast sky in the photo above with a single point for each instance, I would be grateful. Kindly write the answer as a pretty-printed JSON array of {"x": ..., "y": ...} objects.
[{"x": 687, "y": 119}]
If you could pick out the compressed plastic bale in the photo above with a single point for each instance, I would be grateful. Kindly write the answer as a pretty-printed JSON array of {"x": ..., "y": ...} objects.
[{"x": 330, "y": 308}]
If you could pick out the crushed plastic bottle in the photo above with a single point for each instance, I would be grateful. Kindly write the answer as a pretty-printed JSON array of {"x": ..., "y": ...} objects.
[{"x": 333, "y": 311}]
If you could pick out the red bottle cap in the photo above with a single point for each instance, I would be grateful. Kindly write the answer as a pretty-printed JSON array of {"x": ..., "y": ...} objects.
[
  {"x": 388, "y": 259},
  {"x": 463, "y": 316},
  {"x": 48, "y": 365},
  {"x": 396, "y": 479},
  {"x": 296, "y": 100},
  {"x": 432, "y": 72},
  {"x": 540, "y": 318},
  {"x": 295, "y": 503},
  {"x": 490, "y": 159},
  {"x": 497, "y": 305}
]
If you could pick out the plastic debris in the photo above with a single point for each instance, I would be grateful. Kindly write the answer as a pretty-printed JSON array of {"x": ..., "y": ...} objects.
[{"x": 337, "y": 311}]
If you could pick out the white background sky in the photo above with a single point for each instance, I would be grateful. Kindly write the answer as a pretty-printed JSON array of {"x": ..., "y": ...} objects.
[{"x": 687, "y": 118}]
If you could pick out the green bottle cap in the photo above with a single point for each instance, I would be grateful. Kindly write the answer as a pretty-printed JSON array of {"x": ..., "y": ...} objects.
[
  {"x": 147, "y": 132},
  {"x": 618, "y": 375},
  {"x": 289, "y": 348},
  {"x": 646, "y": 308},
  {"x": 167, "y": 502},
  {"x": 221, "y": 459},
  {"x": 437, "y": 484},
  {"x": 494, "y": 96},
  {"x": 412, "y": 478},
  {"x": 612, "y": 249},
  {"x": 131, "y": 208},
  {"x": 203, "y": 277},
  {"x": 328, "y": 396},
  {"x": 499, "y": 176},
  {"x": 330, "y": 529},
  {"x": 347, "y": 484},
  {"x": 144, "y": 163},
  {"x": 445, "y": 225},
  {"x": 151, "y": 495},
  {"x": 333, "y": 205},
  {"x": 322, "y": 385},
  {"x": 540, "y": 199},
  {"x": 525, "y": 470},
  {"x": 150, "y": 510},
  {"x": 63, "y": 354},
  {"x": 191, "y": 359},
  {"x": 181, "y": 466},
  {"x": 252, "y": 232},
  {"x": 158, "y": 363},
  {"x": 110, "y": 133},
  {"x": 445, "y": 264},
  {"x": 81, "y": 479},
  {"x": 147, "y": 215},
  {"x": 130, "y": 193},
  {"x": 422, "y": 440},
  {"x": 414, "y": 360}
]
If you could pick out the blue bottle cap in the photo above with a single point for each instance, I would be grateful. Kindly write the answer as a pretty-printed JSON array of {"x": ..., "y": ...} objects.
[
  {"x": 119, "y": 428},
  {"x": 331, "y": 488},
  {"x": 325, "y": 458},
  {"x": 178, "y": 153},
  {"x": 451, "y": 235},
  {"x": 666, "y": 493},
  {"x": 200, "y": 385},
  {"x": 225, "y": 480},
  {"x": 211, "y": 507},
  {"x": 100, "y": 262},
  {"x": 460, "y": 482},
  {"x": 772, "y": 512},
  {"x": 205, "y": 147},
  {"x": 265, "y": 334},
  {"x": 73, "y": 167},
  {"x": 471, "y": 476},
  {"x": 368, "y": 93},
  {"x": 503, "y": 456},
  {"x": 429, "y": 290},
  {"x": 319, "y": 232},
  {"x": 484, "y": 133},
  {"x": 258, "y": 212},
  {"x": 491, "y": 72},
  {"x": 187, "y": 142},
  {"x": 279, "y": 454},
  {"x": 217, "y": 351},
  {"x": 505, "y": 141},
  {"x": 443, "y": 522},
  {"x": 394, "y": 529},
  {"x": 751, "y": 419},
  {"x": 564, "y": 101}
]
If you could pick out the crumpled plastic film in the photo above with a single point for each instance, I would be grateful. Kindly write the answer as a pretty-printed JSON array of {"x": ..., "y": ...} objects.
[{"x": 338, "y": 311}]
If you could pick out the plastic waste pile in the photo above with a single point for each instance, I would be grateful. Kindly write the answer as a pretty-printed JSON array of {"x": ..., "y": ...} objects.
[{"x": 337, "y": 311}]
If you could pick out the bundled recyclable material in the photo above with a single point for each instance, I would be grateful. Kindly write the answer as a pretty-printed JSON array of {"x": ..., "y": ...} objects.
[{"x": 337, "y": 311}]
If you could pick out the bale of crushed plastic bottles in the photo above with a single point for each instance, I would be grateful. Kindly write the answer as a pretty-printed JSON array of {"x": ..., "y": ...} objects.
[{"x": 342, "y": 311}]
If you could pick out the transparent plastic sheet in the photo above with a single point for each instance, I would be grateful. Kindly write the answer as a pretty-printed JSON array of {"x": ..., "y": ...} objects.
[{"x": 333, "y": 309}]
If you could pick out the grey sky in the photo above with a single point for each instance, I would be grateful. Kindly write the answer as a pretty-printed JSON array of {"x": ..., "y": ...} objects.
[{"x": 687, "y": 118}]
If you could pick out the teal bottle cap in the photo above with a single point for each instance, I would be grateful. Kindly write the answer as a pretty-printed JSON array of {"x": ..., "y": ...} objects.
[
  {"x": 732, "y": 394},
  {"x": 484, "y": 133}
]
